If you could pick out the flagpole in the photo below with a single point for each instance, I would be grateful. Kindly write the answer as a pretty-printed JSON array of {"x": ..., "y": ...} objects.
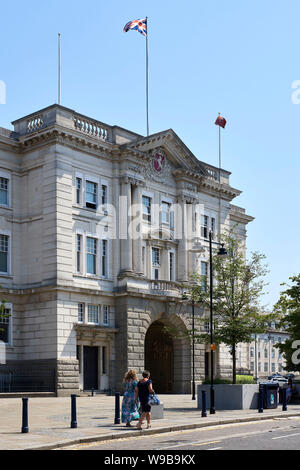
[
  {"x": 219, "y": 179},
  {"x": 147, "y": 79},
  {"x": 59, "y": 71}
]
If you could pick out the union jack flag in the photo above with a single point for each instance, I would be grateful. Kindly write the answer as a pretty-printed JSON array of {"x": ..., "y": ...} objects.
[{"x": 139, "y": 25}]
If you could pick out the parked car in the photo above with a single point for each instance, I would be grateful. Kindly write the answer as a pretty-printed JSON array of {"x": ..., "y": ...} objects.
[
  {"x": 289, "y": 376},
  {"x": 280, "y": 380},
  {"x": 274, "y": 376}
]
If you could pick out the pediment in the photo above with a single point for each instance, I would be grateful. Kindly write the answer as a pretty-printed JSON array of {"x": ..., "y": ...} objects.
[{"x": 176, "y": 155}]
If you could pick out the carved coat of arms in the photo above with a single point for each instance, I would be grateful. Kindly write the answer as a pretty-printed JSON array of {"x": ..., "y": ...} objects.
[{"x": 158, "y": 162}]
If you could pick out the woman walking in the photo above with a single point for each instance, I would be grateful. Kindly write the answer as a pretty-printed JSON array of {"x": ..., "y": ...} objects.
[
  {"x": 143, "y": 391},
  {"x": 129, "y": 407}
]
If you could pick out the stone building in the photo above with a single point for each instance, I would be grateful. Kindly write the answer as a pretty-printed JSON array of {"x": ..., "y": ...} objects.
[{"x": 98, "y": 227}]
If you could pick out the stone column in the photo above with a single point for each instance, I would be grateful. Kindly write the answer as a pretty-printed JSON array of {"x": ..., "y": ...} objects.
[
  {"x": 125, "y": 235},
  {"x": 137, "y": 229},
  {"x": 182, "y": 246}
]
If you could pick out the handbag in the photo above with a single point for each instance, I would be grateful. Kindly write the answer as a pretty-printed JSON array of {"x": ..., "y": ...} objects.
[{"x": 154, "y": 400}]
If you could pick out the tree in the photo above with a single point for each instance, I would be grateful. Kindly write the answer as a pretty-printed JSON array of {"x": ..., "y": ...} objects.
[
  {"x": 288, "y": 307},
  {"x": 238, "y": 286}
]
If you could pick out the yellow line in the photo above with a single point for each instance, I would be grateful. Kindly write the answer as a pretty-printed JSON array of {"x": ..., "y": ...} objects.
[{"x": 204, "y": 443}]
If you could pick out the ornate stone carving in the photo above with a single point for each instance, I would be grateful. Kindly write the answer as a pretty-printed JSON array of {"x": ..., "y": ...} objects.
[{"x": 160, "y": 169}]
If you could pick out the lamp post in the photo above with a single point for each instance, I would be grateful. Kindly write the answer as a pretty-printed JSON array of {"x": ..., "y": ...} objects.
[{"x": 221, "y": 252}]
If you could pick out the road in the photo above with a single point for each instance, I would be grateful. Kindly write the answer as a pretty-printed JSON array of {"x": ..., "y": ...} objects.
[{"x": 278, "y": 433}]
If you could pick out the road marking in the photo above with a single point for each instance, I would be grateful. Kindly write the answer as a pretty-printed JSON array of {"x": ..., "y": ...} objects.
[
  {"x": 289, "y": 435},
  {"x": 215, "y": 448},
  {"x": 196, "y": 443}
]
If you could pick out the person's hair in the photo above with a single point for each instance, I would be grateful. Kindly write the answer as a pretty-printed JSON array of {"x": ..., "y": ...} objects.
[
  {"x": 145, "y": 374},
  {"x": 130, "y": 375}
]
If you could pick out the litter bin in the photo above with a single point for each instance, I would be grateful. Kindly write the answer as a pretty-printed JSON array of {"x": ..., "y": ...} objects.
[{"x": 270, "y": 394}]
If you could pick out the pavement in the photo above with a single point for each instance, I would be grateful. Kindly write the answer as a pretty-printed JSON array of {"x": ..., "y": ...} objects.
[{"x": 49, "y": 420}]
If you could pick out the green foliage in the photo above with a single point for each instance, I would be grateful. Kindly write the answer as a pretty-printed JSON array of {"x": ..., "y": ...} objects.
[
  {"x": 237, "y": 289},
  {"x": 245, "y": 379},
  {"x": 217, "y": 380},
  {"x": 240, "y": 379},
  {"x": 288, "y": 307}
]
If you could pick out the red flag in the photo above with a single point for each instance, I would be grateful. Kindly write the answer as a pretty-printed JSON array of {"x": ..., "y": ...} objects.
[{"x": 220, "y": 121}]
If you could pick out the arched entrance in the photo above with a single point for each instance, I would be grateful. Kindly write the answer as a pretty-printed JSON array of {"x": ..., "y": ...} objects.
[{"x": 159, "y": 357}]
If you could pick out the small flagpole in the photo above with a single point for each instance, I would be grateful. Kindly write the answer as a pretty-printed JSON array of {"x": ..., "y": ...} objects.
[
  {"x": 59, "y": 71},
  {"x": 147, "y": 78},
  {"x": 219, "y": 179}
]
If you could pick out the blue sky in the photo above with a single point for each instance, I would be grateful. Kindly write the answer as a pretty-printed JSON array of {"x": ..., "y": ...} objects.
[{"x": 237, "y": 58}]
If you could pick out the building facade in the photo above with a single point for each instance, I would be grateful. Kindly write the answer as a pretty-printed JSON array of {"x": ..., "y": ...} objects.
[
  {"x": 98, "y": 227},
  {"x": 264, "y": 358}
]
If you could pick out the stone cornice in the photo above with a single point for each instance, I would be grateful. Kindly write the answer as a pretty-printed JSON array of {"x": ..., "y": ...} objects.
[{"x": 238, "y": 215}]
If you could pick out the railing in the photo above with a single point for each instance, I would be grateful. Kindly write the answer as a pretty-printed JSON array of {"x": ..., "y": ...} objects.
[
  {"x": 213, "y": 173},
  {"x": 27, "y": 380},
  {"x": 35, "y": 123},
  {"x": 165, "y": 286},
  {"x": 92, "y": 128}
]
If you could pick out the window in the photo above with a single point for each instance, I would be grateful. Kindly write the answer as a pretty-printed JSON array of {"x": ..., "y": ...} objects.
[
  {"x": 204, "y": 275},
  {"x": 4, "y": 191},
  {"x": 91, "y": 194},
  {"x": 104, "y": 194},
  {"x": 5, "y": 322},
  {"x": 266, "y": 353},
  {"x": 146, "y": 208},
  {"x": 165, "y": 213},
  {"x": 273, "y": 353},
  {"x": 265, "y": 367},
  {"x": 80, "y": 312},
  {"x": 251, "y": 352},
  {"x": 93, "y": 314},
  {"x": 273, "y": 366},
  {"x": 204, "y": 226},
  {"x": 91, "y": 255},
  {"x": 4, "y": 253},
  {"x": 78, "y": 252},
  {"x": 104, "y": 258},
  {"x": 171, "y": 266},
  {"x": 207, "y": 327},
  {"x": 78, "y": 190},
  {"x": 155, "y": 257},
  {"x": 105, "y": 316},
  {"x": 155, "y": 263},
  {"x": 259, "y": 367},
  {"x": 252, "y": 366}
]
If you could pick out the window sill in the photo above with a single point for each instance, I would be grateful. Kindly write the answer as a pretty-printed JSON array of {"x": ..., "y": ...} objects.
[
  {"x": 91, "y": 276},
  {"x": 6, "y": 276}
]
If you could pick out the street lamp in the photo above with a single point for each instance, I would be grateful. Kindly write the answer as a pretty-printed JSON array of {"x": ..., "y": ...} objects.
[{"x": 221, "y": 252}]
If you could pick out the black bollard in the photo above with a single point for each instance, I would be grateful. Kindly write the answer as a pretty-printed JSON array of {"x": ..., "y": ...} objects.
[
  {"x": 73, "y": 412},
  {"x": 117, "y": 408},
  {"x": 204, "y": 413},
  {"x": 92, "y": 392},
  {"x": 25, "y": 415},
  {"x": 284, "y": 407},
  {"x": 260, "y": 401}
]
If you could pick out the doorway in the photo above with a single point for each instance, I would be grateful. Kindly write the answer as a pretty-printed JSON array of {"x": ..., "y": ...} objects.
[
  {"x": 159, "y": 357},
  {"x": 90, "y": 367}
]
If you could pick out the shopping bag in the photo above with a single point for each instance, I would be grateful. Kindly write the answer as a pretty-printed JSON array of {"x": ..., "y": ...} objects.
[{"x": 154, "y": 400}]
